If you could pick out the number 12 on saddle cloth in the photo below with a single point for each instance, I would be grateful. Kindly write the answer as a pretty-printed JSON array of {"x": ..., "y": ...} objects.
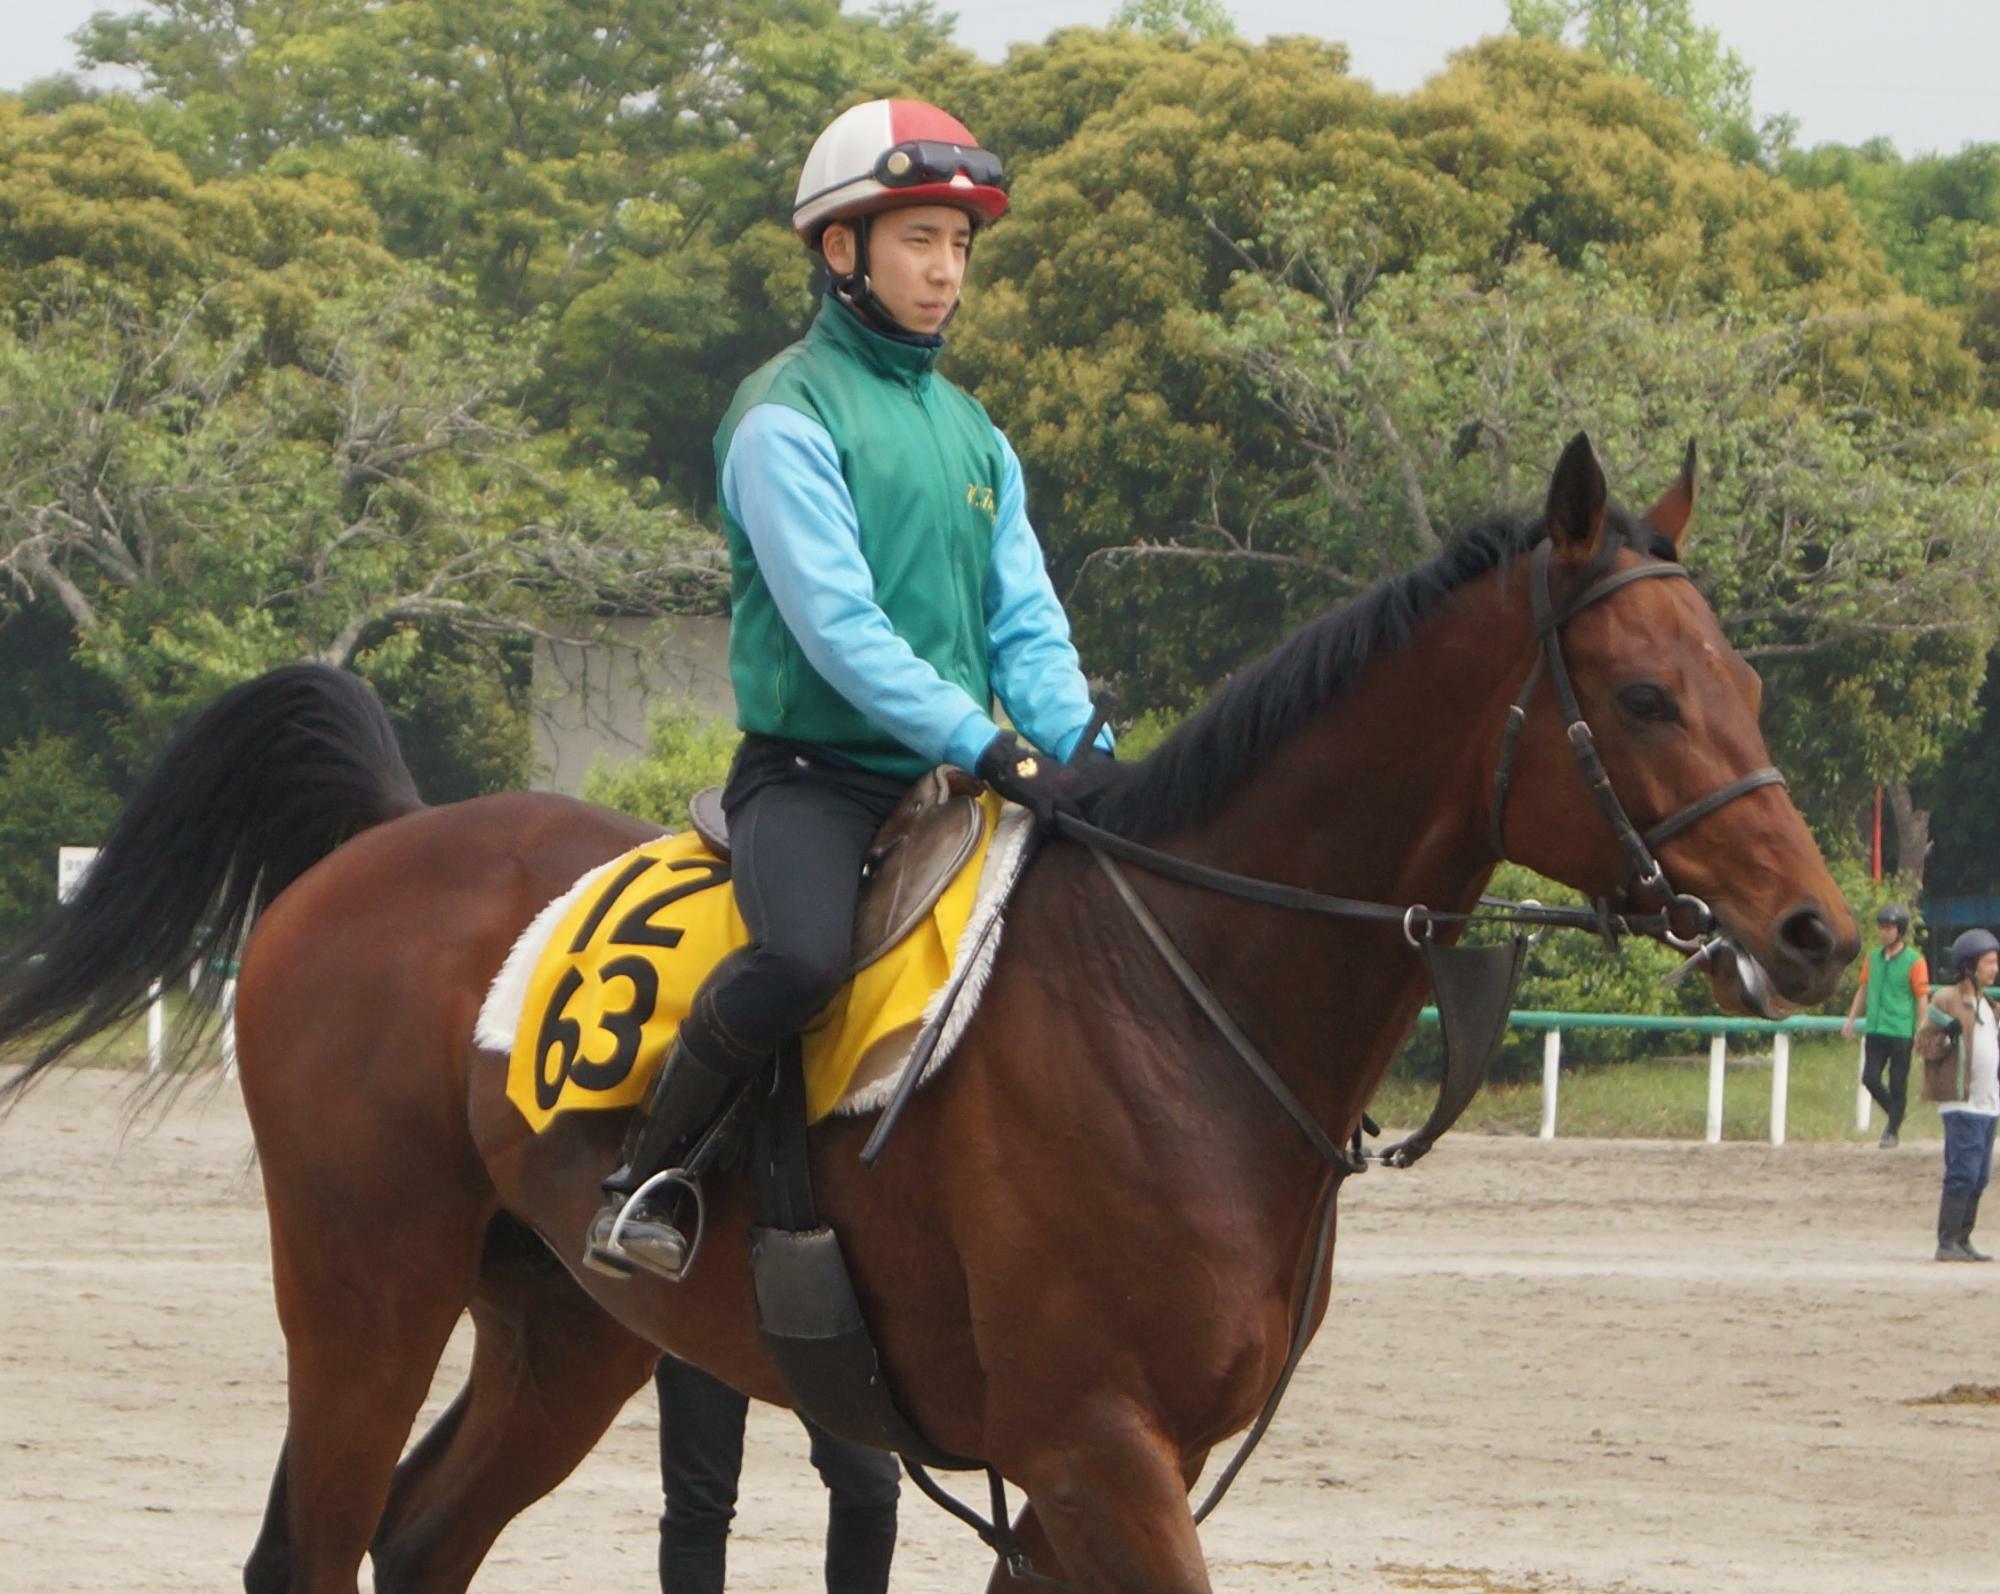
[{"x": 589, "y": 999}]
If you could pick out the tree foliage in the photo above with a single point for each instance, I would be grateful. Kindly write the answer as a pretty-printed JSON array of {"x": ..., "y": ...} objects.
[
  {"x": 1198, "y": 19},
  {"x": 235, "y": 429},
  {"x": 396, "y": 334},
  {"x": 622, "y": 167},
  {"x": 200, "y": 512},
  {"x": 1932, "y": 216},
  {"x": 684, "y": 754},
  {"x": 1659, "y": 42}
]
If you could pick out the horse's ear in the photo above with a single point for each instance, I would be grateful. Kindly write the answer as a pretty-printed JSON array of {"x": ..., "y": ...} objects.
[
  {"x": 1670, "y": 515},
  {"x": 1577, "y": 495}
]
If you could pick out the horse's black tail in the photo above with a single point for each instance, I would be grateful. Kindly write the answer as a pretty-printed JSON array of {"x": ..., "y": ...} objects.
[{"x": 268, "y": 780}]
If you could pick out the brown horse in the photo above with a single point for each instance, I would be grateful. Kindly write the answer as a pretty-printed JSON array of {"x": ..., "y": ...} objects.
[{"x": 1085, "y": 1249}]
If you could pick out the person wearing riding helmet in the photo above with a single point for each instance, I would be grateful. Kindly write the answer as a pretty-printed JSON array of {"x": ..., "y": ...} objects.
[
  {"x": 886, "y": 588},
  {"x": 1895, "y": 984},
  {"x": 1960, "y": 1045}
]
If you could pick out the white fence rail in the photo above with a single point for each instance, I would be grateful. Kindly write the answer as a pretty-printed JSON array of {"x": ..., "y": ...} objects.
[{"x": 1718, "y": 1030}]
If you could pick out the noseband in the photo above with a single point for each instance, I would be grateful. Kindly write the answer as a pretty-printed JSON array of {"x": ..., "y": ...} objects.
[{"x": 1645, "y": 872}]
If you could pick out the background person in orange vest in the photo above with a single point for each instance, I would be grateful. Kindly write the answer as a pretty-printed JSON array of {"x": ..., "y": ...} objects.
[{"x": 1895, "y": 984}]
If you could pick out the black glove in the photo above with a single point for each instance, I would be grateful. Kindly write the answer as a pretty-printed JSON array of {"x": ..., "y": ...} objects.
[
  {"x": 1040, "y": 784},
  {"x": 1951, "y": 1028}
]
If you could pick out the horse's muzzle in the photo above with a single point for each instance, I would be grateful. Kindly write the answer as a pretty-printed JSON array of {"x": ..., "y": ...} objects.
[{"x": 1807, "y": 955}]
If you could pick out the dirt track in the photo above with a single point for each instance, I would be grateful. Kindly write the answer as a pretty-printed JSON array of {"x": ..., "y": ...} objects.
[{"x": 1582, "y": 1367}]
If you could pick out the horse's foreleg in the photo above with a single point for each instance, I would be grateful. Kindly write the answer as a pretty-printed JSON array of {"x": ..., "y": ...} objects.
[
  {"x": 550, "y": 1370},
  {"x": 1112, "y": 1507}
]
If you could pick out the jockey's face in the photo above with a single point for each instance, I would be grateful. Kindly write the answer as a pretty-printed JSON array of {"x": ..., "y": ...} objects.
[{"x": 916, "y": 261}]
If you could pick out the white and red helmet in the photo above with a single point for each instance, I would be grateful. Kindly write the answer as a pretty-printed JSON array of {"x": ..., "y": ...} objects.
[{"x": 886, "y": 154}]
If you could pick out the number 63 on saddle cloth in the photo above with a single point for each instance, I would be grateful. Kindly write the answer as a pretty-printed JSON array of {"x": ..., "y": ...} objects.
[{"x": 589, "y": 999}]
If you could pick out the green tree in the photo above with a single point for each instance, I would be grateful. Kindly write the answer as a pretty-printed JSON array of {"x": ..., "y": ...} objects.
[
  {"x": 1958, "y": 791},
  {"x": 1659, "y": 42},
  {"x": 1850, "y": 548},
  {"x": 1981, "y": 308},
  {"x": 233, "y": 432},
  {"x": 1930, "y": 215},
  {"x": 684, "y": 753},
  {"x": 200, "y": 515},
  {"x": 622, "y": 165},
  {"x": 1198, "y": 19},
  {"x": 89, "y": 206},
  {"x": 52, "y": 794},
  {"x": 1186, "y": 514}
]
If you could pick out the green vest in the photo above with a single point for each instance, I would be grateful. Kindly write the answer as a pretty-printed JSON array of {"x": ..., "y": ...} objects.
[
  {"x": 1892, "y": 1006},
  {"x": 923, "y": 465}
]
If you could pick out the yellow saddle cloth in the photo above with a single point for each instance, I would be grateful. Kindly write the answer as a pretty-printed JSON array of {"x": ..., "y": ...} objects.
[{"x": 630, "y": 944}]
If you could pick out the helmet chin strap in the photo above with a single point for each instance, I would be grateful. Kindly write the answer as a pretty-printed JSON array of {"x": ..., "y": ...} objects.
[{"x": 857, "y": 291}]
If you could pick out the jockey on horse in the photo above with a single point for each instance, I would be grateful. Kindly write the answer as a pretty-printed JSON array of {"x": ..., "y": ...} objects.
[{"x": 886, "y": 586}]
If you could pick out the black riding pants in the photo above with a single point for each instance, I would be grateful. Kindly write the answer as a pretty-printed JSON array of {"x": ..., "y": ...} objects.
[
  {"x": 701, "y": 1454},
  {"x": 799, "y": 831},
  {"x": 1890, "y": 1054}
]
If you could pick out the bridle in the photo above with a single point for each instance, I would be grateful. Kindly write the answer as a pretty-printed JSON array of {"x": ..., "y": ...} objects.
[
  {"x": 1683, "y": 921},
  {"x": 1645, "y": 872}
]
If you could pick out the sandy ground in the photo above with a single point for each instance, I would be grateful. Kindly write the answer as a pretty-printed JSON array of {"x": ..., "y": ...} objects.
[{"x": 1585, "y": 1366}]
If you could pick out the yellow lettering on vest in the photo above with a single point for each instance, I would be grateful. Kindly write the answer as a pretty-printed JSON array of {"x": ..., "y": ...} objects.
[{"x": 982, "y": 499}]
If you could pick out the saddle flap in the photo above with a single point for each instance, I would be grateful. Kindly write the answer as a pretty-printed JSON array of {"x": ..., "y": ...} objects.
[{"x": 916, "y": 854}]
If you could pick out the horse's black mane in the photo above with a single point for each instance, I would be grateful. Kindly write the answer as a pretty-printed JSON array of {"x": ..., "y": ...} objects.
[{"x": 1266, "y": 703}]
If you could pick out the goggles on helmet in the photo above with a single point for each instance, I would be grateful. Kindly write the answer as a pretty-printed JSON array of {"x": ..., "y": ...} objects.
[{"x": 924, "y": 160}]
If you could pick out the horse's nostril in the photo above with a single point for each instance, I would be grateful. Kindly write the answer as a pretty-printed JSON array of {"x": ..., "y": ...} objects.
[{"x": 1805, "y": 933}]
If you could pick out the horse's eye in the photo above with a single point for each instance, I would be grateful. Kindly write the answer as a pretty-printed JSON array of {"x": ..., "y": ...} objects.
[{"x": 1649, "y": 703}]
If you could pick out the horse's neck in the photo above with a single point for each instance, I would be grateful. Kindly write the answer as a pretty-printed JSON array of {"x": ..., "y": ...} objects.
[
  {"x": 1386, "y": 796},
  {"x": 1383, "y": 798}
]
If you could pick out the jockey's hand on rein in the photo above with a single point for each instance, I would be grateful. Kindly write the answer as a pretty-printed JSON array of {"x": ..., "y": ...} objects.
[{"x": 1038, "y": 783}]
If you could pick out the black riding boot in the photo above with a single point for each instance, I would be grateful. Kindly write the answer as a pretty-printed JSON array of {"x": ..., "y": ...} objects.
[
  {"x": 1952, "y": 1228},
  {"x": 684, "y": 1100},
  {"x": 1965, "y": 1227}
]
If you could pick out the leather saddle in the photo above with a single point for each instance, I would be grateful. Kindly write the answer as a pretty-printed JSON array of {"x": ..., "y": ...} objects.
[{"x": 918, "y": 852}]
